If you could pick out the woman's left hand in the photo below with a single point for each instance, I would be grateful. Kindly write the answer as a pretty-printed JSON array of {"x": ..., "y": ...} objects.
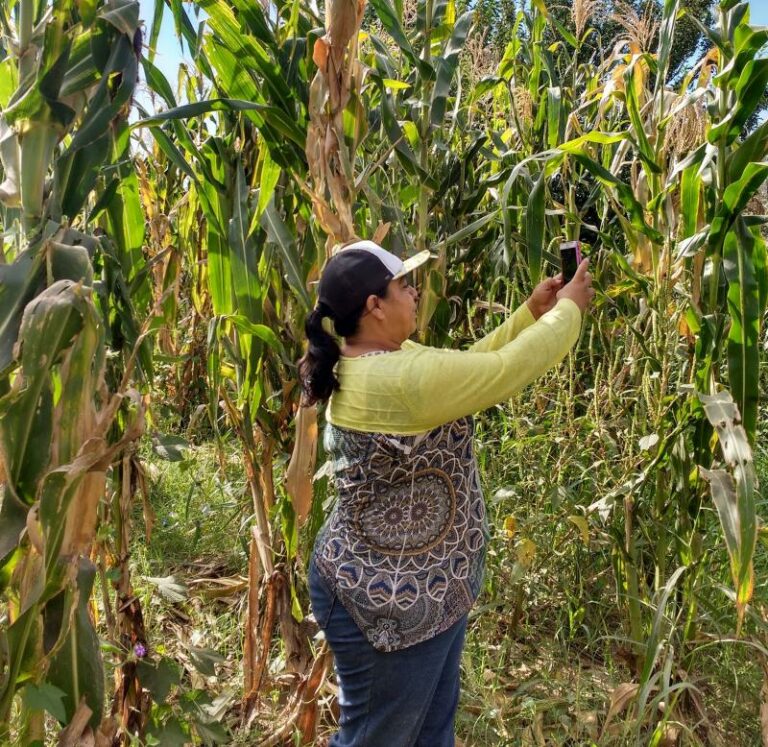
[{"x": 544, "y": 296}]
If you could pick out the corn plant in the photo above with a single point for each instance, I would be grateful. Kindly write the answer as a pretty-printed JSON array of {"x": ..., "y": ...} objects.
[
  {"x": 249, "y": 191},
  {"x": 68, "y": 75}
]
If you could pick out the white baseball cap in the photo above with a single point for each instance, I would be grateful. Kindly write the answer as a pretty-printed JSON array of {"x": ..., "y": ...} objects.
[{"x": 361, "y": 269}]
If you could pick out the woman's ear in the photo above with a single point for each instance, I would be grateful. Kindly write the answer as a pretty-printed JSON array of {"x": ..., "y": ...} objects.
[{"x": 372, "y": 306}]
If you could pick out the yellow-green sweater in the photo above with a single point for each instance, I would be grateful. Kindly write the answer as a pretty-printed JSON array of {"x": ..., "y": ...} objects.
[{"x": 417, "y": 388}]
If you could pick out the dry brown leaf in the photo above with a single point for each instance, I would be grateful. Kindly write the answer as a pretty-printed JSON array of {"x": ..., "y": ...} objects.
[
  {"x": 217, "y": 588},
  {"x": 78, "y": 732},
  {"x": 149, "y": 513},
  {"x": 621, "y": 697},
  {"x": 381, "y": 231},
  {"x": 298, "y": 476}
]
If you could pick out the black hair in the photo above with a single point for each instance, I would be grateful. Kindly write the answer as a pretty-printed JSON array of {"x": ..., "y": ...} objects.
[{"x": 318, "y": 381}]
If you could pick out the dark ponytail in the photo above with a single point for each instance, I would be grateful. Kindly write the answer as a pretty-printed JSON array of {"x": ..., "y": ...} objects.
[
  {"x": 318, "y": 381},
  {"x": 316, "y": 367}
]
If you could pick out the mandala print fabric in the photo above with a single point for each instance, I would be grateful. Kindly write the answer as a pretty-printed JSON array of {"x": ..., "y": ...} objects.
[{"x": 404, "y": 547}]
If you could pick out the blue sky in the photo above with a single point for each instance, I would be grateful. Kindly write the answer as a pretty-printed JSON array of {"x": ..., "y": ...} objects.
[{"x": 758, "y": 12}]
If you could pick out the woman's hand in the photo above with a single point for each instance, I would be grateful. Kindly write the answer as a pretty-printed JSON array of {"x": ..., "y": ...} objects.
[
  {"x": 579, "y": 290},
  {"x": 544, "y": 296}
]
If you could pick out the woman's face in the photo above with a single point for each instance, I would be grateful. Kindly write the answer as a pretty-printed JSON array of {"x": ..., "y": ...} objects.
[{"x": 399, "y": 308}]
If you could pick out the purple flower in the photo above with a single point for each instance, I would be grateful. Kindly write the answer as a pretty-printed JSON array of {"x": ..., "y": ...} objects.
[{"x": 140, "y": 650}]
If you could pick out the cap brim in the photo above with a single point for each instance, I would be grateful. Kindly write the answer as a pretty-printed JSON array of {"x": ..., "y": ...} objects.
[{"x": 410, "y": 264}]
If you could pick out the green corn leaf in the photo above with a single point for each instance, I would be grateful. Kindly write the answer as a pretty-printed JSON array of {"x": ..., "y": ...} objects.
[
  {"x": 393, "y": 130},
  {"x": 122, "y": 14},
  {"x": 666, "y": 39},
  {"x": 154, "y": 32},
  {"x": 753, "y": 148},
  {"x": 279, "y": 234},
  {"x": 735, "y": 199},
  {"x": 472, "y": 228},
  {"x": 105, "y": 104},
  {"x": 9, "y": 81},
  {"x": 50, "y": 322},
  {"x": 13, "y": 520},
  {"x": 219, "y": 256},
  {"x": 603, "y": 138},
  {"x": 271, "y": 114},
  {"x": 85, "y": 63},
  {"x": 391, "y": 23},
  {"x": 747, "y": 43},
  {"x": 158, "y": 82},
  {"x": 125, "y": 220},
  {"x": 486, "y": 85},
  {"x": 219, "y": 275},
  {"x": 534, "y": 234},
  {"x": 253, "y": 21},
  {"x": 638, "y": 126},
  {"x": 446, "y": 67},
  {"x": 555, "y": 120},
  {"x": 701, "y": 157},
  {"x": 243, "y": 261},
  {"x": 690, "y": 193},
  {"x": 75, "y": 175},
  {"x": 18, "y": 284},
  {"x": 261, "y": 331},
  {"x": 564, "y": 32},
  {"x": 77, "y": 668},
  {"x": 745, "y": 313},
  {"x": 248, "y": 51},
  {"x": 693, "y": 244},
  {"x": 749, "y": 91},
  {"x": 270, "y": 175},
  {"x": 707, "y": 32},
  {"x": 186, "y": 31}
]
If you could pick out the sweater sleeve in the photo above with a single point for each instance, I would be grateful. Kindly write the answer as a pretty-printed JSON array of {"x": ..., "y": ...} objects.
[
  {"x": 443, "y": 385},
  {"x": 505, "y": 332}
]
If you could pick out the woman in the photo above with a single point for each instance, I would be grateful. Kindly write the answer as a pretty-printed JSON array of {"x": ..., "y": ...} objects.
[{"x": 399, "y": 563}]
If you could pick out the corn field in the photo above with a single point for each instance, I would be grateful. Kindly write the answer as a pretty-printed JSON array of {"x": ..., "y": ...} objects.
[{"x": 161, "y": 242}]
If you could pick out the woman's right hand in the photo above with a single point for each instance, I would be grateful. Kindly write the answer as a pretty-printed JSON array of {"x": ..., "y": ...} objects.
[{"x": 579, "y": 290}]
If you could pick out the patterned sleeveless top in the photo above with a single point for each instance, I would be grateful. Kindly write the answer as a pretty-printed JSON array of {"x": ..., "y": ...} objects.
[{"x": 404, "y": 548}]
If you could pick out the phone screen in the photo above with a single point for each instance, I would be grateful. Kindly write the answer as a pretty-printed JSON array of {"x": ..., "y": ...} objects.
[{"x": 570, "y": 256}]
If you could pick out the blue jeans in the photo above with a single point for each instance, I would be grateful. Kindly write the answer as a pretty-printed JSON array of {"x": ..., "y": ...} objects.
[{"x": 405, "y": 698}]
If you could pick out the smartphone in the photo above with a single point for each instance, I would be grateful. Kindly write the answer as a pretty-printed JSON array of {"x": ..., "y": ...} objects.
[{"x": 570, "y": 259}]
